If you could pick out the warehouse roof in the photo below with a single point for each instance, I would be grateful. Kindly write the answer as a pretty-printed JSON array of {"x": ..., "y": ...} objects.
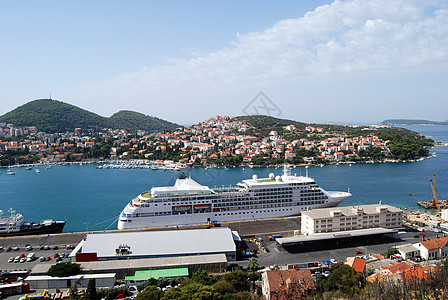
[{"x": 160, "y": 243}]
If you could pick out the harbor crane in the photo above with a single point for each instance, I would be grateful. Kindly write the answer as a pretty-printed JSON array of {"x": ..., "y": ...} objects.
[{"x": 434, "y": 201}]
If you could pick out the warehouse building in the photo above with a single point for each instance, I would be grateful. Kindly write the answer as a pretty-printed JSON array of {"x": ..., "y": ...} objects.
[
  {"x": 48, "y": 282},
  {"x": 214, "y": 263},
  {"x": 108, "y": 246},
  {"x": 345, "y": 218}
]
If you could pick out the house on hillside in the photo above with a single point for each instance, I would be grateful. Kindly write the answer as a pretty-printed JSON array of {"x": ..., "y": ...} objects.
[
  {"x": 434, "y": 248},
  {"x": 284, "y": 284},
  {"x": 357, "y": 263}
]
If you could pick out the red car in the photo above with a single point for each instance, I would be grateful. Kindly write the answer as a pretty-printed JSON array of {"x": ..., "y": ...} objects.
[
  {"x": 48, "y": 258},
  {"x": 55, "y": 255},
  {"x": 421, "y": 234},
  {"x": 358, "y": 252}
]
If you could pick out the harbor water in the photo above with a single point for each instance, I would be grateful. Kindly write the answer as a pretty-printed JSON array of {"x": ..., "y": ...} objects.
[{"x": 91, "y": 199}]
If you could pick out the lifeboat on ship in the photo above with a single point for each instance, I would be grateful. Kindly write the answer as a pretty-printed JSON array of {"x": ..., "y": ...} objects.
[
  {"x": 182, "y": 208},
  {"x": 202, "y": 206}
]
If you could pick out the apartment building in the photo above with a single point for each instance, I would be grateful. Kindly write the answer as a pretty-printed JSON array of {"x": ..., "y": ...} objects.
[{"x": 351, "y": 218}]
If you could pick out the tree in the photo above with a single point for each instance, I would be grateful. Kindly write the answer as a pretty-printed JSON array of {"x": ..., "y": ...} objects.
[
  {"x": 253, "y": 267},
  {"x": 202, "y": 277},
  {"x": 237, "y": 279},
  {"x": 345, "y": 279},
  {"x": 91, "y": 290},
  {"x": 73, "y": 290},
  {"x": 150, "y": 293},
  {"x": 64, "y": 269}
]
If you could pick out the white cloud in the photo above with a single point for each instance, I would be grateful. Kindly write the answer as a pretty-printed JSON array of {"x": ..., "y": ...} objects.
[{"x": 343, "y": 37}]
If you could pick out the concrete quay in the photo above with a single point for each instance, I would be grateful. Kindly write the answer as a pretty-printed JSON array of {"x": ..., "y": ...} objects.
[{"x": 258, "y": 228}]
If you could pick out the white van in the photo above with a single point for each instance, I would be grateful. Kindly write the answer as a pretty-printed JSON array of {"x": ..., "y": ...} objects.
[{"x": 30, "y": 257}]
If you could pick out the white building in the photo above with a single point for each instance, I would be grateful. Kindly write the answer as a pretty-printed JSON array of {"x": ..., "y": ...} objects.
[
  {"x": 435, "y": 248},
  {"x": 407, "y": 251},
  {"x": 351, "y": 218},
  {"x": 48, "y": 282},
  {"x": 445, "y": 214}
]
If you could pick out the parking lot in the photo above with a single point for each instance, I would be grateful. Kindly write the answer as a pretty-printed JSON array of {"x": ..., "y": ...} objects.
[{"x": 42, "y": 246}]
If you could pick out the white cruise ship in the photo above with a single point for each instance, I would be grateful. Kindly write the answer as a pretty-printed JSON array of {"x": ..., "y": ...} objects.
[{"x": 188, "y": 202}]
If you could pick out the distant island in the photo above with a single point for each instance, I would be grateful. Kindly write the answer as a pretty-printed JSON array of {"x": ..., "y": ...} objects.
[{"x": 398, "y": 122}]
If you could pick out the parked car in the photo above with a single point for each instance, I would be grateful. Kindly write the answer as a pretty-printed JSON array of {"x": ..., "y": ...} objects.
[
  {"x": 273, "y": 237},
  {"x": 421, "y": 234},
  {"x": 358, "y": 252},
  {"x": 48, "y": 258},
  {"x": 23, "y": 259},
  {"x": 58, "y": 258},
  {"x": 55, "y": 247},
  {"x": 55, "y": 255},
  {"x": 42, "y": 258},
  {"x": 28, "y": 247},
  {"x": 17, "y": 259},
  {"x": 11, "y": 259}
]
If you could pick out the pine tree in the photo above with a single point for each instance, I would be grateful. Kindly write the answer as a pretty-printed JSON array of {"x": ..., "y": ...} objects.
[{"x": 91, "y": 290}]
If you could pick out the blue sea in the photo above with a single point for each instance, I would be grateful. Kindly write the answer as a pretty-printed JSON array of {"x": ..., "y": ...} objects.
[{"x": 91, "y": 199}]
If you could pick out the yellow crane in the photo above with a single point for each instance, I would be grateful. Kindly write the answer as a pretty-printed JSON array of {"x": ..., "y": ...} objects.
[{"x": 434, "y": 201}]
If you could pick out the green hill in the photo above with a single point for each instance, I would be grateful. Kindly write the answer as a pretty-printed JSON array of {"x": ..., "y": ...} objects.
[
  {"x": 134, "y": 121},
  {"x": 268, "y": 122},
  {"x": 55, "y": 116}
]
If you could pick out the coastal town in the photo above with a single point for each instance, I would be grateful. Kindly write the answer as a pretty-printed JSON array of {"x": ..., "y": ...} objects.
[{"x": 219, "y": 141}]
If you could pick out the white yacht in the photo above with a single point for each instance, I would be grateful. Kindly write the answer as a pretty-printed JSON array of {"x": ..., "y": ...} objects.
[{"x": 188, "y": 202}]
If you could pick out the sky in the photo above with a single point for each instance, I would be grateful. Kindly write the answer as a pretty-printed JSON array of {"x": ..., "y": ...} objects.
[{"x": 351, "y": 61}]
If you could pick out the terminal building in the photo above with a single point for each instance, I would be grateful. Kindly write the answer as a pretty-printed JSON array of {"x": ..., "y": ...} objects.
[
  {"x": 345, "y": 218},
  {"x": 327, "y": 228},
  {"x": 102, "y": 246}
]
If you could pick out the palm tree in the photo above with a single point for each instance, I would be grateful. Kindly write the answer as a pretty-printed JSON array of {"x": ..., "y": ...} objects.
[{"x": 253, "y": 267}]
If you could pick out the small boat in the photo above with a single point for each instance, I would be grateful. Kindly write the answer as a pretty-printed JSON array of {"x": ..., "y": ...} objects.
[
  {"x": 37, "y": 170},
  {"x": 28, "y": 168},
  {"x": 10, "y": 172}
]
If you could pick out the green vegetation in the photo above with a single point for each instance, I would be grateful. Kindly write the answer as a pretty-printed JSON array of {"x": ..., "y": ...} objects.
[
  {"x": 344, "y": 280},
  {"x": 91, "y": 290},
  {"x": 64, "y": 269},
  {"x": 264, "y": 124},
  {"x": 133, "y": 121},
  {"x": 232, "y": 285},
  {"x": 391, "y": 252},
  {"x": 53, "y": 116}
]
